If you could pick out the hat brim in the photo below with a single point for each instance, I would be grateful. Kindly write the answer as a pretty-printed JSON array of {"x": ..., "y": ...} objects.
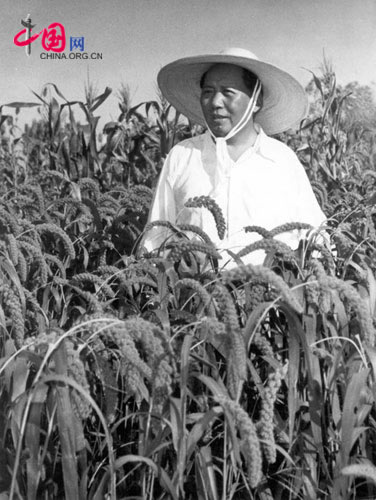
[{"x": 284, "y": 100}]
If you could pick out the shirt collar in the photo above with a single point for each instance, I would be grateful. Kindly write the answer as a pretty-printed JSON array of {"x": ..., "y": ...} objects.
[{"x": 263, "y": 146}]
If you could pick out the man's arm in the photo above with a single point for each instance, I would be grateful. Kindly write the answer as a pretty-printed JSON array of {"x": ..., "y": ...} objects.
[{"x": 307, "y": 207}]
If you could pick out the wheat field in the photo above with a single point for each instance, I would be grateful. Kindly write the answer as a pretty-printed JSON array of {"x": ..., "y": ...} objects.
[{"x": 163, "y": 376}]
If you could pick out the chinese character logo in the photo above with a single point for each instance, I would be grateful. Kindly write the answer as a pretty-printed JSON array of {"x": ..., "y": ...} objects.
[
  {"x": 53, "y": 37},
  {"x": 77, "y": 43}
]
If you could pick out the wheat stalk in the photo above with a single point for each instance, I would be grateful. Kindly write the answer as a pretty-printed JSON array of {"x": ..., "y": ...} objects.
[
  {"x": 214, "y": 209},
  {"x": 248, "y": 433},
  {"x": 269, "y": 245},
  {"x": 13, "y": 304},
  {"x": 249, "y": 271},
  {"x": 60, "y": 233},
  {"x": 236, "y": 364},
  {"x": 265, "y": 425}
]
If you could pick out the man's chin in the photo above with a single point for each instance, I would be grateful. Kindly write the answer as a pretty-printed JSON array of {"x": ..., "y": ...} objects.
[{"x": 218, "y": 131}]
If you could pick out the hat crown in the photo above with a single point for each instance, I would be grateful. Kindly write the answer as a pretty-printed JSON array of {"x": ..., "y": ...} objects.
[{"x": 238, "y": 52}]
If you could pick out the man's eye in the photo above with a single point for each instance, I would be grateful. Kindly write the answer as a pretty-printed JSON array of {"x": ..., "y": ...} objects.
[{"x": 228, "y": 92}]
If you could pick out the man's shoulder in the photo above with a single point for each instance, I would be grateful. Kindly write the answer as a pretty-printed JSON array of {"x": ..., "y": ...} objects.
[
  {"x": 279, "y": 152},
  {"x": 277, "y": 147},
  {"x": 181, "y": 154},
  {"x": 189, "y": 144}
]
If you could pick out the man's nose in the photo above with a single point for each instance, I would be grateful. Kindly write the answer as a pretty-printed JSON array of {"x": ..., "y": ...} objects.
[{"x": 217, "y": 100}]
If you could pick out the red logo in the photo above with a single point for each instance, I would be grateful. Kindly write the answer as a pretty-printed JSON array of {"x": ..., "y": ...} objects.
[{"x": 53, "y": 37}]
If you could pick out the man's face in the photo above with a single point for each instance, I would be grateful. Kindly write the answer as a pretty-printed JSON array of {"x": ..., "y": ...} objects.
[{"x": 224, "y": 98}]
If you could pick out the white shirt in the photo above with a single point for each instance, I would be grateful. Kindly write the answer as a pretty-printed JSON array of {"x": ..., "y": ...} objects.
[{"x": 267, "y": 186}]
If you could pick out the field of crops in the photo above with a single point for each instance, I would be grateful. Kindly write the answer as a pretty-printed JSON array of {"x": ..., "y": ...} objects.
[{"x": 161, "y": 376}]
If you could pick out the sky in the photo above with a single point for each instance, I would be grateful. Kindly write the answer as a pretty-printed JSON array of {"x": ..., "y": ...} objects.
[{"x": 135, "y": 38}]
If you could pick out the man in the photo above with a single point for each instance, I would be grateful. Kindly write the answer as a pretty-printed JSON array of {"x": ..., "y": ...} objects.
[{"x": 256, "y": 180}]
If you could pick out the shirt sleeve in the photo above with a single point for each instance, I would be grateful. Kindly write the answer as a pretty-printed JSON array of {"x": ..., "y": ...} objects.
[
  {"x": 163, "y": 208},
  {"x": 307, "y": 207}
]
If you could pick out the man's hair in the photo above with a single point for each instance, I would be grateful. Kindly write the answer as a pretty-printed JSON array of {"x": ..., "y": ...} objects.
[{"x": 249, "y": 79}]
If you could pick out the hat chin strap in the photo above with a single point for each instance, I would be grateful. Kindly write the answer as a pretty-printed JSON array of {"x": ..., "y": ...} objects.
[{"x": 223, "y": 159}]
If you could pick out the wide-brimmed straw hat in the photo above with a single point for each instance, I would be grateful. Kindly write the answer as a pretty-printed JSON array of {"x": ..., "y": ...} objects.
[{"x": 284, "y": 99}]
